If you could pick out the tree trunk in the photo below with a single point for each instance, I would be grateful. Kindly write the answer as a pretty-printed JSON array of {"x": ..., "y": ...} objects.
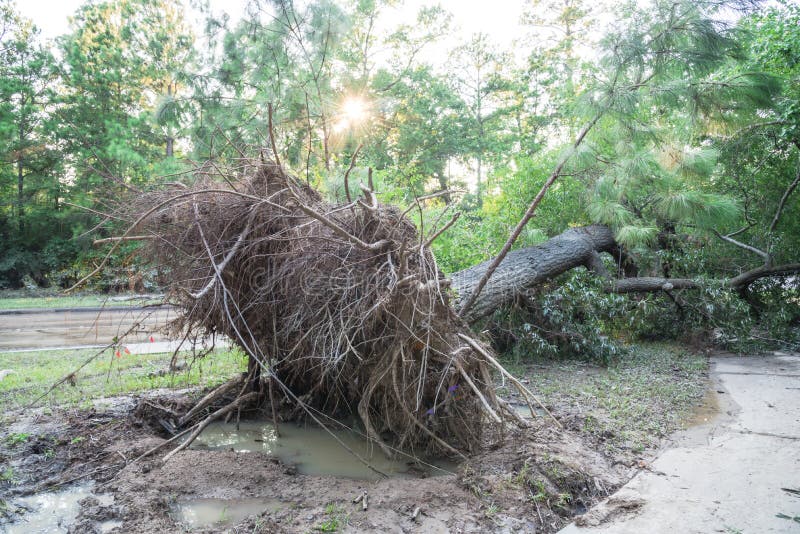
[
  {"x": 21, "y": 180},
  {"x": 577, "y": 247},
  {"x": 531, "y": 266},
  {"x": 169, "y": 150}
]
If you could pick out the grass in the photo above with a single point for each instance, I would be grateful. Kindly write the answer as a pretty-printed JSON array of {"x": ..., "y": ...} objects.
[
  {"x": 337, "y": 518},
  {"x": 630, "y": 405},
  {"x": 18, "y": 300},
  {"x": 7, "y": 474},
  {"x": 16, "y": 439},
  {"x": 107, "y": 375}
]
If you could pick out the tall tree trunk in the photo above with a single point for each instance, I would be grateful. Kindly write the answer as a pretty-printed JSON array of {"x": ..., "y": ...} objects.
[
  {"x": 444, "y": 185},
  {"x": 21, "y": 179},
  {"x": 170, "y": 140}
]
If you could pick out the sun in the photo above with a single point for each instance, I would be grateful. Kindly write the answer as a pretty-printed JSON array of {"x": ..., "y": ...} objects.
[{"x": 353, "y": 111}]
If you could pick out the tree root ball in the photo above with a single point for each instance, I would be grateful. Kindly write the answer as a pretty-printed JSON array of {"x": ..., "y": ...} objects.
[{"x": 341, "y": 306}]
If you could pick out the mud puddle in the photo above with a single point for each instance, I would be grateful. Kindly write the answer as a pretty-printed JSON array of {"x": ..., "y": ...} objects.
[
  {"x": 314, "y": 451},
  {"x": 54, "y": 511},
  {"x": 524, "y": 411},
  {"x": 707, "y": 410},
  {"x": 197, "y": 513}
]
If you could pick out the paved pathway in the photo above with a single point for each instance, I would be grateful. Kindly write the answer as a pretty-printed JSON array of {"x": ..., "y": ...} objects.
[{"x": 729, "y": 475}]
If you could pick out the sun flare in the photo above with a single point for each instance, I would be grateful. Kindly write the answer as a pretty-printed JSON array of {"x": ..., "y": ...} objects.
[{"x": 353, "y": 112}]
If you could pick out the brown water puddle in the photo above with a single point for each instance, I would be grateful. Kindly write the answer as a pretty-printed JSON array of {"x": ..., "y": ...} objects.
[
  {"x": 196, "y": 513},
  {"x": 314, "y": 451},
  {"x": 55, "y": 511}
]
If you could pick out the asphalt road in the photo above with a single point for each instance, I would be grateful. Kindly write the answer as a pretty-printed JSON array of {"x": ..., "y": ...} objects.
[{"x": 79, "y": 327}]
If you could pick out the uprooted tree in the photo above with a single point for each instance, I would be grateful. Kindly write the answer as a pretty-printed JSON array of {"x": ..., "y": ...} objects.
[{"x": 341, "y": 308}]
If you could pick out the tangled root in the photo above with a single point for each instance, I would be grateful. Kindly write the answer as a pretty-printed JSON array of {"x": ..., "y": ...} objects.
[{"x": 343, "y": 306}]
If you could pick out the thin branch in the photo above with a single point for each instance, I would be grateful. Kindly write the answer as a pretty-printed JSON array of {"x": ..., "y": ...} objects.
[
  {"x": 741, "y": 230},
  {"x": 126, "y": 238},
  {"x": 338, "y": 230},
  {"x": 198, "y": 429},
  {"x": 442, "y": 230},
  {"x": 221, "y": 267},
  {"x": 782, "y": 203},
  {"x": 477, "y": 392},
  {"x": 417, "y": 200},
  {"x": 71, "y": 376},
  {"x": 369, "y": 194},
  {"x": 525, "y": 218},
  {"x": 749, "y": 248},
  {"x": 155, "y": 208},
  {"x": 521, "y": 388},
  {"x": 349, "y": 170}
]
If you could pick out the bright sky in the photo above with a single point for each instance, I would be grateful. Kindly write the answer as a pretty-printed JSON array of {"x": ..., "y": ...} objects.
[
  {"x": 500, "y": 20},
  {"x": 471, "y": 15}
]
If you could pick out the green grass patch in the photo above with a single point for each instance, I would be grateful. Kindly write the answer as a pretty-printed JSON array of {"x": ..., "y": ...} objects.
[
  {"x": 21, "y": 300},
  {"x": 108, "y": 375},
  {"x": 12, "y": 440},
  {"x": 643, "y": 396}
]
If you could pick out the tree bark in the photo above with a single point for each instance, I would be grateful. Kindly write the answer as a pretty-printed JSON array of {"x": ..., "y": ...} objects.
[
  {"x": 739, "y": 283},
  {"x": 170, "y": 141},
  {"x": 528, "y": 267},
  {"x": 21, "y": 176}
]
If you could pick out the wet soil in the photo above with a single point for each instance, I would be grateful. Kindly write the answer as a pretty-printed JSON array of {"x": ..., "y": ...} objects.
[{"x": 533, "y": 480}]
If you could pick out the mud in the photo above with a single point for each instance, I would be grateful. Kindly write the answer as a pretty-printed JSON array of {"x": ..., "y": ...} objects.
[
  {"x": 194, "y": 513},
  {"x": 49, "y": 512},
  {"x": 535, "y": 479}
]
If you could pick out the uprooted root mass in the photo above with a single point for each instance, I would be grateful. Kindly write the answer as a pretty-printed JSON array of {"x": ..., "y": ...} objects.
[{"x": 342, "y": 305}]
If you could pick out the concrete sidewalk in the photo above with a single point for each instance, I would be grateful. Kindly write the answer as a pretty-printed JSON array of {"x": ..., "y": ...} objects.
[{"x": 730, "y": 475}]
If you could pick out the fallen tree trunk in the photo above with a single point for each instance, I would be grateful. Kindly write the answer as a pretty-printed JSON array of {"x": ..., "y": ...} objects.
[
  {"x": 577, "y": 247},
  {"x": 738, "y": 283},
  {"x": 529, "y": 267}
]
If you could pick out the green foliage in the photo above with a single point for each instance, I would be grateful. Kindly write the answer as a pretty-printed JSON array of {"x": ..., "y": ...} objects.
[
  {"x": 575, "y": 317},
  {"x": 8, "y": 475},
  {"x": 337, "y": 518},
  {"x": 17, "y": 439},
  {"x": 692, "y": 127}
]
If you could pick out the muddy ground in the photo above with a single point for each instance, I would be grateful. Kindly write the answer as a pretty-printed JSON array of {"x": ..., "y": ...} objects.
[{"x": 533, "y": 480}]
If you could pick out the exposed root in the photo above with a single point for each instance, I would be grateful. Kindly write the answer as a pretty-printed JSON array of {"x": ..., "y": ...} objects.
[
  {"x": 211, "y": 398},
  {"x": 525, "y": 392},
  {"x": 342, "y": 306},
  {"x": 199, "y": 427}
]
